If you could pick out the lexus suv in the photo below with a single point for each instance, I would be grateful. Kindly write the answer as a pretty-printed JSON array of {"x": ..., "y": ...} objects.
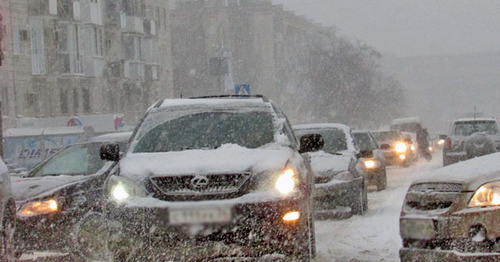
[
  {"x": 471, "y": 137},
  {"x": 211, "y": 177}
]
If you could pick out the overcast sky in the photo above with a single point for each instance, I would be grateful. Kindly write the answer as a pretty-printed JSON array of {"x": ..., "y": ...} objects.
[{"x": 410, "y": 27}]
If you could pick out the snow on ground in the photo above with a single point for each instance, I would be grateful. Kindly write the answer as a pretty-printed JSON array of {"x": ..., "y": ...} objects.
[{"x": 375, "y": 235}]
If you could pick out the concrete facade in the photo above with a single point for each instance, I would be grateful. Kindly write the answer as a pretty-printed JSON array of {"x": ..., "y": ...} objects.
[
  {"x": 261, "y": 44},
  {"x": 84, "y": 57}
]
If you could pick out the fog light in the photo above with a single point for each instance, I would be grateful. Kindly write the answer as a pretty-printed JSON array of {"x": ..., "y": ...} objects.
[
  {"x": 402, "y": 157},
  {"x": 291, "y": 216}
]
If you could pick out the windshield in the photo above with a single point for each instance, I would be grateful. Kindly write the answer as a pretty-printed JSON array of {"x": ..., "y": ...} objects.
[
  {"x": 208, "y": 130},
  {"x": 386, "y": 135},
  {"x": 468, "y": 128},
  {"x": 364, "y": 141},
  {"x": 335, "y": 139}
]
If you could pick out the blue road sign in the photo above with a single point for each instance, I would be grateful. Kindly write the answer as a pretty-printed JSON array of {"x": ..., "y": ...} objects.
[{"x": 243, "y": 90}]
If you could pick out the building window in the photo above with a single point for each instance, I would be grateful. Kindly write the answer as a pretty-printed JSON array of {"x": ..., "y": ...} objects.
[
  {"x": 132, "y": 46},
  {"x": 76, "y": 102},
  {"x": 97, "y": 41},
  {"x": 37, "y": 47},
  {"x": 96, "y": 12},
  {"x": 86, "y": 100},
  {"x": 64, "y": 101}
]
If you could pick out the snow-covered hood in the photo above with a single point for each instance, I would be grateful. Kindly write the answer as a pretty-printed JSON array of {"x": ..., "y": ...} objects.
[
  {"x": 31, "y": 187},
  {"x": 324, "y": 163},
  {"x": 472, "y": 173},
  {"x": 228, "y": 158}
]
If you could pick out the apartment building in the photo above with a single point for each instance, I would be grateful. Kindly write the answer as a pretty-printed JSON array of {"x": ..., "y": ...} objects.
[{"x": 84, "y": 57}]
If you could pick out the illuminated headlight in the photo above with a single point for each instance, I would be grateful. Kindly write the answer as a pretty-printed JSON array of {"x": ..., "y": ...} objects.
[
  {"x": 402, "y": 157},
  {"x": 286, "y": 181},
  {"x": 345, "y": 176},
  {"x": 486, "y": 195},
  {"x": 412, "y": 148},
  {"x": 400, "y": 147},
  {"x": 441, "y": 142},
  {"x": 39, "y": 207},
  {"x": 370, "y": 163},
  {"x": 430, "y": 148},
  {"x": 120, "y": 189}
]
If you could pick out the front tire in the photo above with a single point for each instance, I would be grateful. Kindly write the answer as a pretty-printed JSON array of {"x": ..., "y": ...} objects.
[{"x": 7, "y": 249}]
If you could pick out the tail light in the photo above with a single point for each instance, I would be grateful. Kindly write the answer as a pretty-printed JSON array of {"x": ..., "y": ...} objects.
[{"x": 447, "y": 143}]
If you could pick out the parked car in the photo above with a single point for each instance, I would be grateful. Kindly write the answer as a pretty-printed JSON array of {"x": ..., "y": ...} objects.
[
  {"x": 471, "y": 137},
  {"x": 339, "y": 180},
  {"x": 396, "y": 149},
  {"x": 374, "y": 167},
  {"x": 54, "y": 196},
  {"x": 217, "y": 176},
  {"x": 7, "y": 216},
  {"x": 455, "y": 208}
]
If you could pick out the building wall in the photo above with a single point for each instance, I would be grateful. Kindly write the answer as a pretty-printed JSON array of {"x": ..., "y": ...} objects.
[
  {"x": 85, "y": 57},
  {"x": 265, "y": 46}
]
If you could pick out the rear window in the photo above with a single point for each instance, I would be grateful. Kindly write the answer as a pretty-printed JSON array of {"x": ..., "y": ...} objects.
[
  {"x": 467, "y": 128},
  {"x": 335, "y": 139}
]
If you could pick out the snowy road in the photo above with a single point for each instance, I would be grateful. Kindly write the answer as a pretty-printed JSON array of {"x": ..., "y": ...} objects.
[{"x": 375, "y": 235}]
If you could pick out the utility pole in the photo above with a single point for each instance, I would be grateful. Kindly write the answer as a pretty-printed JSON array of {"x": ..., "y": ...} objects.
[{"x": 1, "y": 133}]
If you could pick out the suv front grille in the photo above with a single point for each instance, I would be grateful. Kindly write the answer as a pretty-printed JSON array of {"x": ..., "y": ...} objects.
[
  {"x": 198, "y": 186},
  {"x": 432, "y": 196},
  {"x": 436, "y": 187}
]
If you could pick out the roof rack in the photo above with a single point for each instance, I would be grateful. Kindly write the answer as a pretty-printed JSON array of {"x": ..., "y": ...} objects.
[{"x": 232, "y": 96}]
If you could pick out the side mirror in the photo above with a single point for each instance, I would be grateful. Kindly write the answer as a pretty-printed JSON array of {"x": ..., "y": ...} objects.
[
  {"x": 365, "y": 154},
  {"x": 110, "y": 152},
  {"x": 385, "y": 146},
  {"x": 441, "y": 136},
  {"x": 311, "y": 143}
]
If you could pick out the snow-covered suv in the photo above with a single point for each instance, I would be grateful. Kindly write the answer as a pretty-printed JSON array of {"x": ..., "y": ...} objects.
[
  {"x": 471, "y": 137},
  {"x": 211, "y": 177}
]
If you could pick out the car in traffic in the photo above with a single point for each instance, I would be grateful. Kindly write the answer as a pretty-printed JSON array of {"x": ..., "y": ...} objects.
[
  {"x": 395, "y": 147},
  {"x": 7, "y": 216},
  {"x": 374, "y": 167},
  {"x": 471, "y": 137},
  {"x": 54, "y": 196},
  {"x": 218, "y": 176},
  {"x": 338, "y": 178},
  {"x": 453, "y": 209}
]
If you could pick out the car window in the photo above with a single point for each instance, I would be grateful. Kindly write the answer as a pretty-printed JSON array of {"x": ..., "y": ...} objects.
[
  {"x": 386, "y": 135},
  {"x": 364, "y": 141},
  {"x": 208, "y": 131},
  {"x": 467, "y": 128},
  {"x": 73, "y": 160},
  {"x": 335, "y": 139}
]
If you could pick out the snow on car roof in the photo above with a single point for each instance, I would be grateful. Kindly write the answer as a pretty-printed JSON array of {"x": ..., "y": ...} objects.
[
  {"x": 323, "y": 125},
  {"x": 212, "y": 101},
  {"x": 112, "y": 137},
  {"x": 406, "y": 120},
  {"x": 475, "y": 119},
  {"x": 466, "y": 171}
]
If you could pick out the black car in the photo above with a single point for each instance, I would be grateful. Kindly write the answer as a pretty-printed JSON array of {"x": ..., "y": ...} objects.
[
  {"x": 54, "y": 196},
  {"x": 211, "y": 177}
]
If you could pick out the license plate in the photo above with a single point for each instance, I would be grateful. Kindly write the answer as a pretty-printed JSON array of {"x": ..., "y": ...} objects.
[
  {"x": 200, "y": 216},
  {"x": 417, "y": 228}
]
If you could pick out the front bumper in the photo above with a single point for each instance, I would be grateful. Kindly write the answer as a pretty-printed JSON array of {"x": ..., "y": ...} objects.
[
  {"x": 416, "y": 254},
  {"x": 446, "y": 229},
  {"x": 38, "y": 232},
  {"x": 258, "y": 222},
  {"x": 336, "y": 193}
]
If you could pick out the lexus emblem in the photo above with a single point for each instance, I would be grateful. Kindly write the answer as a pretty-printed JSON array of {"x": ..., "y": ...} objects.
[{"x": 199, "y": 182}]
